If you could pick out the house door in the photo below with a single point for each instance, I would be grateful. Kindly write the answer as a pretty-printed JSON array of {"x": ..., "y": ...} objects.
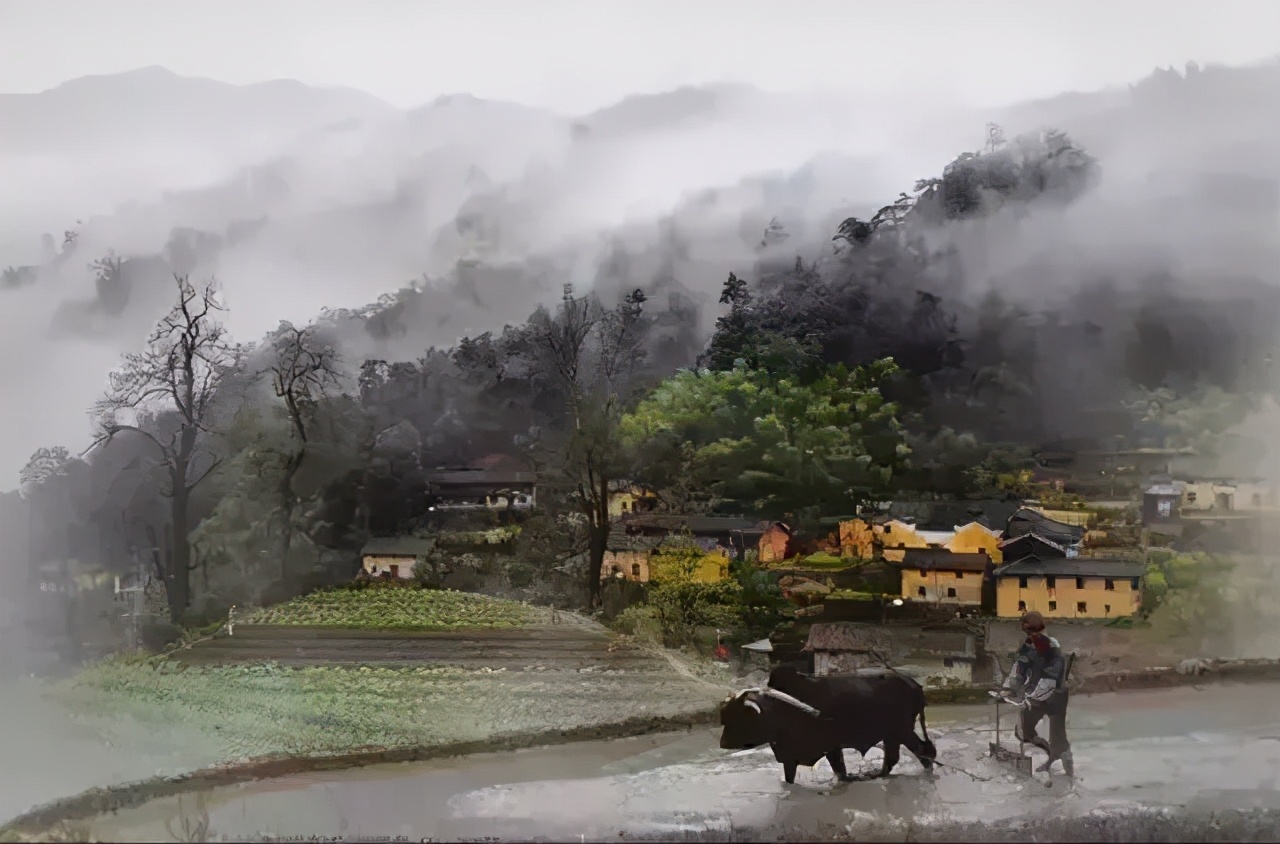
[{"x": 395, "y": 571}]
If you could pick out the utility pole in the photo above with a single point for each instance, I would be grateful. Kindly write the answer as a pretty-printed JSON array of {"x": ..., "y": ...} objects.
[{"x": 137, "y": 595}]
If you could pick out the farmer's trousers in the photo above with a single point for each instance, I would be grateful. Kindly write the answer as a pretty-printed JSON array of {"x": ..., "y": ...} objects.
[{"x": 1055, "y": 709}]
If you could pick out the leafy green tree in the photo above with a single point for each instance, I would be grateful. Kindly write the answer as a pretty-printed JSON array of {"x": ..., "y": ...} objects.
[{"x": 778, "y": 446}]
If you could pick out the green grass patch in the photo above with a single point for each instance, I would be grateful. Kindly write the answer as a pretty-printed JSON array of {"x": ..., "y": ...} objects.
[
  {"x": 260, "y": 709},
  {"x": 396, "y": 609}
]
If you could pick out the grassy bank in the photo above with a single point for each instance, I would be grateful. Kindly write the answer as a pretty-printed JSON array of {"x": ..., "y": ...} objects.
[
  {"x": 264, "y": 709},
  {"x": 396, "y": 607}
]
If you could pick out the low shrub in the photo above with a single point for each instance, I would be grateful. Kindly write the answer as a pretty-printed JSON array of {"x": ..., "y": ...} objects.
[{"x": 641, "y": 622}]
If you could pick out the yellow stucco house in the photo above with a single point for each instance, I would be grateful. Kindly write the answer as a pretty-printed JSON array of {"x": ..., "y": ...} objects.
[
  {"x": 939, "y": 576},
  {"x": 977, "y": 538},
  {"x": 393, "y": 556},
  {"x": 1074, "y": 587},
  {"x": 896, "y": 537},
  {"x": 628, "y": 498}
]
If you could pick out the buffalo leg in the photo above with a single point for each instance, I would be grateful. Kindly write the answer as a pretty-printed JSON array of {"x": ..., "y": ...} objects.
[
  {"x": 836, "y": 759},
  {"x": 891, "y": 756},
  {"x": 789, "y": 772}
]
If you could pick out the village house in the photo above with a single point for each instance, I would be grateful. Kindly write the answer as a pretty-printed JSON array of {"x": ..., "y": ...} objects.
[
  {"x": 939, "y": 576},
  {"x": 943, "y": 654},
  {"x": 393, "y": 557},
  {"x": 896, "y": 537},
  {"x": 735, "y": 535},
  {"x": 502, "y": 487},
  {"x": 857, "y": 539},
  {"x": 1207, "y": 496},
  {"x": 627, "y": 555},
  {"x": 626, "y": 497},
  {"x": 976, "y": 538},
  {"x": 775, "y": 544},
  {"x": 842, "y": 646},
  {"x": 1027, "y": 520},
  {"x": 1082, "y": 587},
  {"x": 1034, "y": 545}
]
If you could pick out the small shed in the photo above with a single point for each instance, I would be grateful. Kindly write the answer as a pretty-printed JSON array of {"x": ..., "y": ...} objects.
[
  {"x": 843, "y": 646},
  {"x": 1161, "y": 502},
  {"x": 393, "y": 556},
  {"x": 756, "y": 654}
]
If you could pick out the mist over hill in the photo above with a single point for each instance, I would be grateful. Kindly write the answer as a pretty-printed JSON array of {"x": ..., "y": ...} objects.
[{"x": 468, "y": 213}]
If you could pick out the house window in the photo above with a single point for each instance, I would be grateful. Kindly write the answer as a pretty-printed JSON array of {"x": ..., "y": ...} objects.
[
  {"x": 1133, "y": 584},
  {"x": 1106, "y": 608},
  {"x": 1053, "y": 605},
  {"x": 923, "y": 573},
  {"x": 1022, "y": 582},
  {"x": 1110, "y": 585},
  {"x": 1165, "y": 508},
  {"x": 624, "y": 506},
  {"x": 635, "y": 569},
  {"x": 920, "y": 591},
  {"x": 959, "y": 575},
  {"x": 1081, "y": 606},
  {"x": 1022, "y": 606},
  {"x": 1051, "y": 582},
  {"x": 1079, "y": 582},
  {"x": 951, "y": 592}
]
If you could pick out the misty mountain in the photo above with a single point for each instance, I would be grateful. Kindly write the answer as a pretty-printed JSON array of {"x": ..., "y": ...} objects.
[
  {"x": 154, "y": 107},
  {"x": 90, "y": 144},
  {"x": 466, "y": 213}
]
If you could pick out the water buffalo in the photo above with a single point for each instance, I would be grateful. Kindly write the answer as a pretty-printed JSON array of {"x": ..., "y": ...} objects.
[
  {"x": 797, "y": 733},
  {"x": 866, "y": 708}
]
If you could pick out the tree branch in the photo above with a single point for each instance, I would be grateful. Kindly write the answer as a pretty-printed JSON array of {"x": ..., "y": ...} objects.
[{"x": 204, "y": 474}]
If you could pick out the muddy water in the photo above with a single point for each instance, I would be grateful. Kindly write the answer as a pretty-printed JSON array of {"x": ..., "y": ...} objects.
[{"x": 1218, "y": 746}]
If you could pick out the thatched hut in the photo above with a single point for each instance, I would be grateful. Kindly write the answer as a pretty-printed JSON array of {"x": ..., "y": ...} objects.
[{"x": 843, "y": 646}]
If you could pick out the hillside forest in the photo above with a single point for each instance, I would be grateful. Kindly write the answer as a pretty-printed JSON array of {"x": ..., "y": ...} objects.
[{"x": 866, "y": 366}]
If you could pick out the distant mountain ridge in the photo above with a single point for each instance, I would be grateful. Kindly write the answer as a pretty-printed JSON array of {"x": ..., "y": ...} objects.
[{"x": 153, "y": 105}]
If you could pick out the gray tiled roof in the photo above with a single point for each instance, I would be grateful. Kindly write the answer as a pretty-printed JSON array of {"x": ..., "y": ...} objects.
[{"x": 1073, "y": 567}]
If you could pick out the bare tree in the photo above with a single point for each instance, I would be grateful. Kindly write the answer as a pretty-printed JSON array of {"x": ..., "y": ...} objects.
[
  {"x": 169, "y": 387},
  {"x": 303, "y": 369},
  {"x": 591, "y": 354}
]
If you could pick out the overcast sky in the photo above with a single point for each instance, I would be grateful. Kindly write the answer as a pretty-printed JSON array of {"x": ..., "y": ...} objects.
[{"x": 574, "y": 56}]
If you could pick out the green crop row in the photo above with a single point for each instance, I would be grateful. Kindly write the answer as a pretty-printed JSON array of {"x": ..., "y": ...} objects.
[{"x": 396, "y": 609}]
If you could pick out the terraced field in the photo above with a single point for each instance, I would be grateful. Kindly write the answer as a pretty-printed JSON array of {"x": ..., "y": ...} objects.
[{"x": 571, "y": 648}]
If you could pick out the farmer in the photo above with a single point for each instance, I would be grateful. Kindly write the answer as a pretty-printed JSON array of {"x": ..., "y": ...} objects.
[{"x": 1037, "y": 675}]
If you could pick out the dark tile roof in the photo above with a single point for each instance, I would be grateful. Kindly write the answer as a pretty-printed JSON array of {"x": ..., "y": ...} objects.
[
  {"x": 392, "y": 546},
  {"x": 1072, "y": 567},
  {"x": 696, "y": 524},
  {"x": 481, "y": 477},
  {"x": 940, "y": 559},
  {"x": 1031, "y": 544},
  {"x": 948, "y": 515},
  {"x": 620, "y": 540},
  {"x": 1026, "y": 520}
]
